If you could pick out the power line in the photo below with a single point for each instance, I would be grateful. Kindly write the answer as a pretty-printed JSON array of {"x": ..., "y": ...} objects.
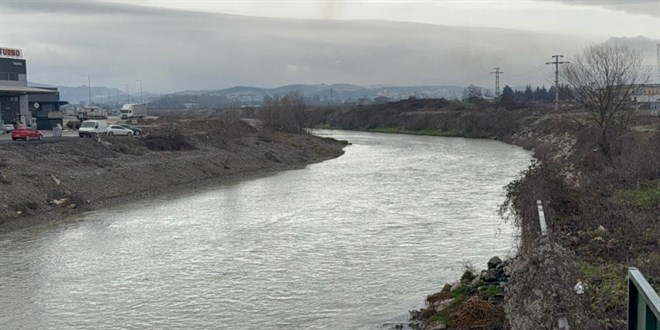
[
  {"x": 556, "y": 63},
  {"x": 497, "y": 80}
]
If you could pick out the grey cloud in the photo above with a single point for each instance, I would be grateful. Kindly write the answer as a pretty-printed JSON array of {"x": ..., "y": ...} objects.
[
  {"x": 89, "y": 7},
  {"x": 642, "y": 7},
  {"x": 172, "y": 50}
]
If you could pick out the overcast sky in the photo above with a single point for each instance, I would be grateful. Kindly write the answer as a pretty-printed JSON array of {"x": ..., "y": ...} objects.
[{"x": 178, "y": 45}]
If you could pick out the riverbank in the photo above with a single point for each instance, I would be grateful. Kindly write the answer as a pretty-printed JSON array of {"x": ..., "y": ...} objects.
[
  {"x": 602, "y": 212},
  {"x": 43, "y": 182}
]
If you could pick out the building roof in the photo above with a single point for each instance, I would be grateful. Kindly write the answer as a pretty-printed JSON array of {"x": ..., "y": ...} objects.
[{"x": 24, "y": 90}]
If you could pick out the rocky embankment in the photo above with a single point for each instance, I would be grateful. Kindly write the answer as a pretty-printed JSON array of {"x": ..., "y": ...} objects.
[
  {"x": 45, "y": 181},
  {"x": 474, "y": 302}
]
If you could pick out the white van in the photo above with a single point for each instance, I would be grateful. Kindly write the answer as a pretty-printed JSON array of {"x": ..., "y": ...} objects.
[{"x": 91, "y": 128}]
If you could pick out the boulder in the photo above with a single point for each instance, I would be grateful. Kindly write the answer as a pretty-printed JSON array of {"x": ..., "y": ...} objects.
[
  {"x": 439, "y": 296},
  {"x": 475, "y": 282},
  {"x": 490, "y": 275},
  {"x": 442, "y": 305},
  {"x": 493, "y": 262},
  {"x": 426, "y": 313},
  {"x": 436, "y": 325}
]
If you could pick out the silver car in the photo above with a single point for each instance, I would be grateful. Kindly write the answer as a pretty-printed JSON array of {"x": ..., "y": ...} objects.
[
  {"x": 6, "y": 128},
  {"x": 119, "y": 130}
]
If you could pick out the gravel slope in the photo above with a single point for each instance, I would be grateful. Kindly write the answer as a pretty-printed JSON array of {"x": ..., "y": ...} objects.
[{"x": 41, "y": 182}]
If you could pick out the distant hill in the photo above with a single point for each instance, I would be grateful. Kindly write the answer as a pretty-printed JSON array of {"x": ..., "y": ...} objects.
[
  {"x": 320, "y": 93},
  {"x": 99, "y": 94},
  {"x": 248, "y": 95}
]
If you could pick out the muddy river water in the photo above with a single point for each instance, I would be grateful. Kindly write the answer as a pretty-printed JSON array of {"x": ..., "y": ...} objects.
[{"x": 350, "y": 243}]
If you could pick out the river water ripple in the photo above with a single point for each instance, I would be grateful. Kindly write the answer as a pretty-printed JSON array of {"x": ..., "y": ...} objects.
[{"x": 349, "y": 243}]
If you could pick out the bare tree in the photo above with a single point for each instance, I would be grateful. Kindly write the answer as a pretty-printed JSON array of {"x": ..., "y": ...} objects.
[
  {"x": 472, "y": 93},
  {"x": 287, "y": 113},
  {"x": 603, "y": 80}
]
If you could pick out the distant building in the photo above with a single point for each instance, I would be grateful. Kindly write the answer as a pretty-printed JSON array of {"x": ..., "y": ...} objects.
[
  {"x": 46, "y": 109},
  {"x": 648, "y": 97},
  {"x": 14, "y": 91},
  {"x": 191, "y": 106},
  {"x": 654, "y": 106},
  {"x": 646, "y": 93},
  {"x": 363, "y": 101}
]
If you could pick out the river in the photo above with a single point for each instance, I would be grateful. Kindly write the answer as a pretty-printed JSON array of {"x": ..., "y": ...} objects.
[{"x": 350, "y": 243}]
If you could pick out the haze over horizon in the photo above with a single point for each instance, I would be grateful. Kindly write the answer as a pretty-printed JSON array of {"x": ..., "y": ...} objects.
[{"x": 176, "y": 45}]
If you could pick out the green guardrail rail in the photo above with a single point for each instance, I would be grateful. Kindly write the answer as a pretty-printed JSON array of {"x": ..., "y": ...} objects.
[{"x": 643, "y": 303}]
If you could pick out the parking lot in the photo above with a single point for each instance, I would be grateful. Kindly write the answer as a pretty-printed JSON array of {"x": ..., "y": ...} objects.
[
  {"x": 66, "y": 133},
  {"x": 48, "y": 135}
]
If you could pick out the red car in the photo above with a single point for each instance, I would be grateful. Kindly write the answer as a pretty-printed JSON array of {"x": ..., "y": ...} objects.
[{"x": 25, "y": 134}]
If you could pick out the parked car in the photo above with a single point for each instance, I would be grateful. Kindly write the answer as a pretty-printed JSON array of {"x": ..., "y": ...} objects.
[
  {"x": 119, "y": 130},
  {"x": 136, "y": 131},
  {"x": 26, "y": 134},
  {"x": 6, "y": 128}
]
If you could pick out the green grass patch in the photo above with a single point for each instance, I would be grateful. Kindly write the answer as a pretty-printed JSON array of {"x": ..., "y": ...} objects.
[
  {"x": 442, "y": 317},
  {"x": 461, "y": 291},
  {"x": 467, "y": 277},
  {"x": 646, "y": 195},
  {"x": 493, "y": 290},
  {"x": 607, "y": 286},
  {"x": 427, "y": 132}
]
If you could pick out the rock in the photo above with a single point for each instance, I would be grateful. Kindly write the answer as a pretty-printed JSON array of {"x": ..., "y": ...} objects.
[
  {"x": 59, "y": 202},
  {"x": 55, "y": 179},
  {"x": 426, "y": 313},
  {"x": 475, "y": 282},
  {"x": 436, "y": 325},
  {"x": 439, "y": 296},
  {"x": 395, "y": 326},
  {"x": 442, "y": 305},
  {"x": 455, "y": 287},
  {"x": 597, "y": 239},
  {"x": 490, "y": 276},
  {"x": 272, "y": 157},
  {"x": 602, "y": 231},
  {"x": 493, "y": 262}
]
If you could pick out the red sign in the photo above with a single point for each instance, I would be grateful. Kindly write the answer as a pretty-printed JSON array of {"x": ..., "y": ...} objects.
[{"x": 11, "y": 52}]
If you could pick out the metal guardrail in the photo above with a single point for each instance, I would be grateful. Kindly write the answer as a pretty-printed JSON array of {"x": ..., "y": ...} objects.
[
  {"x": 544, "y": 226},
  {"x": 643, "y": 303}
]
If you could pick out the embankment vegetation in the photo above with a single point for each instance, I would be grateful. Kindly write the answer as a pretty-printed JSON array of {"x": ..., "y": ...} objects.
[{"x": 596, "y": 174}]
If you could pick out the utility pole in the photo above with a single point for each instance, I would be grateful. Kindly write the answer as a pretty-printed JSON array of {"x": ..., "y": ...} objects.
[
  {"x": 89, "y": 88},
  {"x": 128, "y": 96},
  {"x": 657, "y": 78},
  {"x": 141, "y": 99},
  {"x": 497, "y": 81},
  {"x": 556, "y": 63}
]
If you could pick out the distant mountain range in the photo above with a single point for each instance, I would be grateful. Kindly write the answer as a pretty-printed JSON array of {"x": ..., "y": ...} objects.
[
  {"x": 247, "y": 95},
  {"x": 335, "y": 93}
]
